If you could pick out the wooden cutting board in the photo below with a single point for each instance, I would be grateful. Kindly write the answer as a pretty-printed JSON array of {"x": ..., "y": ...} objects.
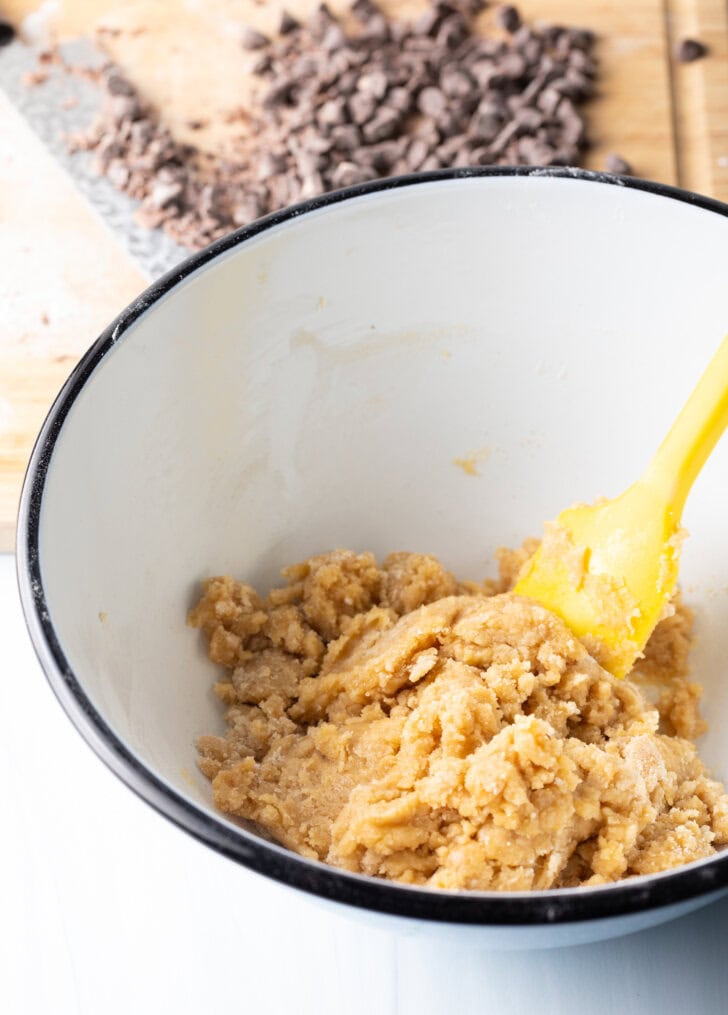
[{"x": 64, "y": 276}]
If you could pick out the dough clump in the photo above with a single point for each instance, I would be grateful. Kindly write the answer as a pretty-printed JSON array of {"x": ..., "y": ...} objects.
[{"x": 393, "y": 721}]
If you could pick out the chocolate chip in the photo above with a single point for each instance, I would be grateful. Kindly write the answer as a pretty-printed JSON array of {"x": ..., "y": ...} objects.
[
  {"x": 364, "y": 11},
  {"x": 116, "y": 84},
  {"x": 549, "y": 100},
  {"x": 124, "y": 108},
  {"x": 551, "y": 34},
  {"x": 263, "y": 64},
  {"x": 332, "y": 113},
  {"x": 580, "y": 38},
  {"x": 432, "y": 102},
  {"x": 347, "y": 174},
  {"x": 690, "y": 49},
  {"x": 534, "y": 152},
  {"x": 270, "y": 165},
  {"x": 528, "y": 120},
  {"x": 280, "y": 94},
  {"x": 374, "y": 83},
  {"x": 508, "y": 18},
  {"x": 320, "y": 21},
  {"x": 452, "y": 32},
  {"x": 288, "y": 24},
  {"x": 456, "y": 83},
  {"x": 7, "y": 32},
  {"x": 163, "y": 194},
  {"x": 429, "y": 22},
  {"x": 486, "y": 123},
  {"x": 401, "y": 99},
  {"x": 417, "y": 152},
  {"x": 512, "y": 65},
  {"x": 383, "y": 126},
  {"x": 247, "y": 209},
  {"x": 346, "y": 138},
  {"x": 361, "y": 107},
  {"x": 333, "y": 39},
  {"x": 614, "y": 163},
  {"x": 251, "y": 39}
]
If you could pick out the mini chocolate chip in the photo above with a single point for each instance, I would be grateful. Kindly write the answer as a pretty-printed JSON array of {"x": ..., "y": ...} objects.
[
  {"x": 347, "y": 174},
  {"x": 361, "y": 107},
  {"x": 7, "y": 32},
  {"x": 417, "y": 152},
  {"x": 247, "y": 210},
  {"x": 690, "y": 49},
  {"x": 117, "y": 84},
  {"x": 508, "y": 18},
  {"x": 270, "y": 165},
  {"x": 346, "y": 137},
  {"x": 346, "y": 85},
  {"x": 456, "y": 83},
  {"x": 549, "y": 100},
  {"x": 383, "y": 126},
  {"x": 528, "y": 119},
  {"x": 485, "y": 125},
  {"x": 581, "y": 61},
  {"x": 331, "y": 113},
  {"x": 432, "y": 102},
  {"x": 333, "y": 39},
  {"x": 373, "y": 83},
  {"x": 400, "y": 99},
  {"x": 263, "y": 64},
  {"x": 164, "y": 194},
  {"x": 364, "y": 10},
  {"x": 288, "y": 24},
  {"x": 550, "y": 34},
  {"x": 320, "y": 21},
  {"x": 251, "y": 39},
  {"x": 512, "y": 65},
  {"x": 532, "y": 51},
  {"x": 281, "y": 93},
  {"x": 581, "y": 38},
  {"x": 452, "y": 32},
  {"x": 124, "y": 108},
  {"x": 614, "y": 163},
  {"x": 427, "y": 132},
  {"x": 429, "y": 22},
  {"x": 118, "y": 173},
  {"x": 534, "y": 152}
]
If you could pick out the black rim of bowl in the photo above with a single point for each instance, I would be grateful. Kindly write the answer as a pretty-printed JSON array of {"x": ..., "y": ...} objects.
[{"x": 480, "y": 908}]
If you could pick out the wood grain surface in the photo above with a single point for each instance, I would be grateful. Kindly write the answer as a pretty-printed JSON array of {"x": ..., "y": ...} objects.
[{"x": 64, "y": 276}]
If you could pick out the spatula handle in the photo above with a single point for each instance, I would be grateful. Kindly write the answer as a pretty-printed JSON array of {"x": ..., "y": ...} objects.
[{"x": 693, "y": 435}]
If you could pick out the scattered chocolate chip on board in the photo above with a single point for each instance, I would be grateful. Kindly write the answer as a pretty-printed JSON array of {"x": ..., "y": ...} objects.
[
  {"x": 343, "y": 105},
  {"x": 616, "y": 164},
  {"x": 7, "y": 32},
  {"x": 690, "y": 49}
]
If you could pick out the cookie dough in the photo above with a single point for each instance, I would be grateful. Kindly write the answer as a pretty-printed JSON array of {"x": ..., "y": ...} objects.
[{"x": 393, "y": 721}]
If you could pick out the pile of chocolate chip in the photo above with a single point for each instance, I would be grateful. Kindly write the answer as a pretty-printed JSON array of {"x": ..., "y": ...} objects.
[{"x": 339, "y": 107}]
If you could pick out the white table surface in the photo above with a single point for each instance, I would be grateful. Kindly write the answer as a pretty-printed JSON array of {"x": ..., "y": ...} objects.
[{"x": 105, "y": 907}]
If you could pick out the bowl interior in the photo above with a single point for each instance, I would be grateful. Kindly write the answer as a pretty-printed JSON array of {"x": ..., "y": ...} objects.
[{"x": 313, "y": 387}]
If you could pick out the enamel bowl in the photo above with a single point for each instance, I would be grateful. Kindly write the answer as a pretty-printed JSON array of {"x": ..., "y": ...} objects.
[{"x": 308, "y": 383}]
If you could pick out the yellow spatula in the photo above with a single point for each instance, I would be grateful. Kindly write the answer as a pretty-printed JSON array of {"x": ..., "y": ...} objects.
[{"x": 609, "y": 570}]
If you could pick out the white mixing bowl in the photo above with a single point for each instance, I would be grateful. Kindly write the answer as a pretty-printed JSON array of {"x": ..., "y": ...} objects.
[{"x": 307, "y": 383}]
